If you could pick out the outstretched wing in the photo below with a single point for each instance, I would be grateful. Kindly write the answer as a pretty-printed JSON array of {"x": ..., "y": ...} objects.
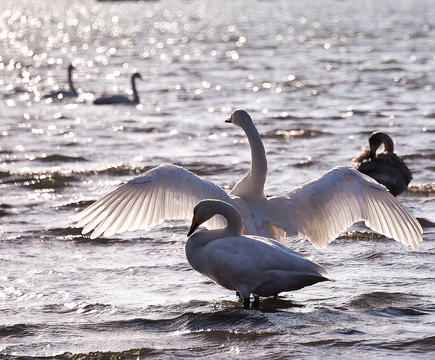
[
  {"x": 165, "y": 192},
  {"x": 321, "y": 209}
]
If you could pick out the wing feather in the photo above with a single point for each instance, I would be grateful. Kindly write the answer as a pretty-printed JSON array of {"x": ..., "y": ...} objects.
[
  {"x": 321, "y": 209},
  {"x": 165, "y": 192}
]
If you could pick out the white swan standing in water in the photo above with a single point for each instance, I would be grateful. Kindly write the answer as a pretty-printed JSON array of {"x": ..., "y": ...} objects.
[
  {"x": 61, "y": 94},
  {"x": 386, "y": 167},
  {"x": 318, "y": 210},
  {"x": 246, "y": 264},
  {"x": 121, "y": 99}
]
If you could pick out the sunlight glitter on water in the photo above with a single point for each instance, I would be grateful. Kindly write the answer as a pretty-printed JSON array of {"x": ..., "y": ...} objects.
[{"x": 316, "y": 79}]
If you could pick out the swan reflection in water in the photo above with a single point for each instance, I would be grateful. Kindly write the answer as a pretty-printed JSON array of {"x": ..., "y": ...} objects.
[
  {"x": 386, "y": 167},
  {"x": 121, "y": 99}
]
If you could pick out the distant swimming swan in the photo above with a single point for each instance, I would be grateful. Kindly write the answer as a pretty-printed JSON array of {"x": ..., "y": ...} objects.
[
  {"x": 121, "y": 99},
  {"x": 61, "y": 94},
  {"x": 318, "y": 210},
  {"x": 246, "y": 264},
  {"x": 386, "y": 168}
]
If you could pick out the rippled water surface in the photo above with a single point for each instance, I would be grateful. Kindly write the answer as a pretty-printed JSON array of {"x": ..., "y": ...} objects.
[{"x": 316, "y": 76}]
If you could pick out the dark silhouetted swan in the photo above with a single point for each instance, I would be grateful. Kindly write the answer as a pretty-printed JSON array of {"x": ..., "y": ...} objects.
[
  {"x": 386, "y": 167},
  {"x": 121, "y": 99},
  {"x": 62, "y": 94},
  {"x": 318, "y": 210},
  {"x": 246, "y": 264}
]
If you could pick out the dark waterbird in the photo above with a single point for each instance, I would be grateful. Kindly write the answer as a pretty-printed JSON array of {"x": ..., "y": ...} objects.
[
  {"x": 121, "y": 99},
  {"x": 386, "y": 167},
  {"x": 61, "y": 94}
]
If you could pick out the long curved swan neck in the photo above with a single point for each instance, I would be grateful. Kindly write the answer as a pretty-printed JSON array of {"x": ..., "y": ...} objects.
[
  {"x": 204, "y": 211},
  {"x": 70, "y": 82},
  {"x": 232, "y": 216},
  {"x": 253, "y": 182},
  {"x": 133, "y": 86},
  {"x": 379, "y": 138},
  {"x": 388, "y": 144}
]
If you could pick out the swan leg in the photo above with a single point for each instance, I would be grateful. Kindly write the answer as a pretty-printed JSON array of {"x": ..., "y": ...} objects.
[
  {"x": 246, "y": 303},
  {"x": 256, "y": 302}
]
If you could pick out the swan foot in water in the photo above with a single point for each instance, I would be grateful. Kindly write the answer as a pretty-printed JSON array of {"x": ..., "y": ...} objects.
[{"x": 246, "y": 303}]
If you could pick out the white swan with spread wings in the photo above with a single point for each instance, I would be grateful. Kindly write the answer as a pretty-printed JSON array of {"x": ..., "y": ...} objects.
[{"x": 318, "y": 210}]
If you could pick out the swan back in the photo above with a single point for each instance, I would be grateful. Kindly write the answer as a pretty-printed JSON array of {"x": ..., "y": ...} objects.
[
  {"x": 61, "y": 94},
  {"x": 386, "y": 167},
  {"x": 121, "y": 99}
]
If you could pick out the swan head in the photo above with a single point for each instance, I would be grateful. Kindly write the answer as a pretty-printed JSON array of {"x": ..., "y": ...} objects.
[
  {"x": 202, "y": 212},
  {"x": 239, "y": 118},
  {"x": 136, "y": 75},
  {"x": 378, "y": 138},
  {"x": 208, "y": 208}
]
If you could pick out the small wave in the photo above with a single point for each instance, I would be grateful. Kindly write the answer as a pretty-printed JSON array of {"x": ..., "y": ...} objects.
[
  {"x": 360, "y": 235},
  {"x": 292, "y": 85},
  {"x": 360, "y": 112},
  {"x": 295, "y": 134},
  {"x": 120, "y": 170},
  {"x": 110, "y": 355},
  {"x": 424, "y": 155},
  {"x": 304, "y": 163},
  {"x": 59, "y": 158},
  {"x": 86, "y": 308},
  {"x": 227, "y": 320},
  {"x": 5, "y": 209},
  {"x": 74, "y": 234},
  {"x": 199, "y": 168},
  {"x": 333, "y": 343},
  {"x": 349, "y": 332},
  {"x": 207, "y": 169},
  {"x": 68, "y": 232},
  {"x": 381, "y": 69},
  {"x": 287, "y": 116},
  {"x": 384, "y": 300},
  {"x": 17, "y": 330},
  {"x": 76, "y": 204},
  {"x": 425, "y": 345},
  {"x": 62, "y": 179},
  {"x": 425, "y": 223},
  {"x": 144, "y": 130},
  {"x": 39, "y": 180},
  {"x": 407, "y": 311}
]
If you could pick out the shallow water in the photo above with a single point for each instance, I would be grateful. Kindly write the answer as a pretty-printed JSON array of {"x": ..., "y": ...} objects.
[{"x": 316, "y": 77}]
